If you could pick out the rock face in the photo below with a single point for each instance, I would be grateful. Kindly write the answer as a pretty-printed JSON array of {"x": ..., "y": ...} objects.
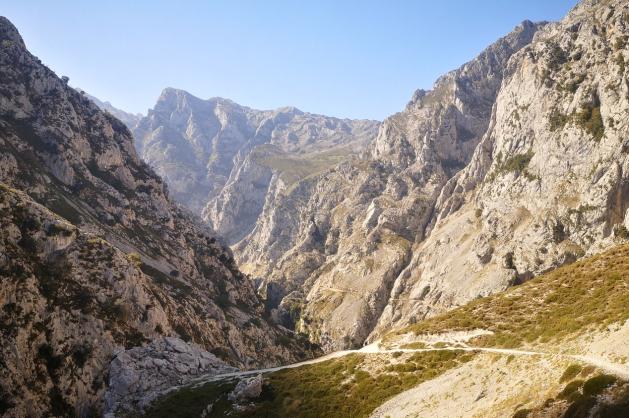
[
  {"x": 95, "y": 258},
  {"x": 511, "y": 165},
  {"x": 357, "y": 224},
  {"x": 219, "y": 158},
  {"x": 138, "y": 375},
  {"x": 247, "y": 389}
]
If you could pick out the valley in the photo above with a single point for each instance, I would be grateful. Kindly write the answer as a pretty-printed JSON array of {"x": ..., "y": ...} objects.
[{"x": 467, "y": 256}]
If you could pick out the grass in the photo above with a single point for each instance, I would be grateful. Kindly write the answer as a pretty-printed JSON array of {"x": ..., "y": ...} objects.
[
  {"x": 589, "y": 294},
  {"x": 191, "y": 401},
  {"x": 294, "y": 168},
  {"x": 341, "y": 387},
  {"x": 335, "y": 388}
]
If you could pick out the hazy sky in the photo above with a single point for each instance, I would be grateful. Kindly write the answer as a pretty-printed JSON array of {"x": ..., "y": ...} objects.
[{"x": 359, "y": 59}]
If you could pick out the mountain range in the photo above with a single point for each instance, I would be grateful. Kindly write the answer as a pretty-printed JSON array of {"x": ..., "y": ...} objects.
[{"x": 464, "y": 257}]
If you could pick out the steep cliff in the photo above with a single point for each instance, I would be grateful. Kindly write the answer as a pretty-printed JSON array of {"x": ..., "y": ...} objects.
[
  {"x": 95, "y": 258},
  {"x": 512, "y": 165},
  {"x": 357, "y": 224}
]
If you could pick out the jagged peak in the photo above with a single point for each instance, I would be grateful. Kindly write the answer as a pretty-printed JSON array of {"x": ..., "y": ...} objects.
[{"x": 8, "y": 32}]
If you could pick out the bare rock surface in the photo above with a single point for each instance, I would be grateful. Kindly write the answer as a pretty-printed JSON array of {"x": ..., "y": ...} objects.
[
  {"x": 138, "y": 375},
  {"x": 511, "y": 165}
]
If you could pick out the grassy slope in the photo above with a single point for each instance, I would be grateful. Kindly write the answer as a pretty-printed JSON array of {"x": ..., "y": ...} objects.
[
  {"x": 294, "y": 168},
  {"x": 336, "y": 388},
  {"x": 572, "y": 300},
  {"x": 586, "y": 295}
]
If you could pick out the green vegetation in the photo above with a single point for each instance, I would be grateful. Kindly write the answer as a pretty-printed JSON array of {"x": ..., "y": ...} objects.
[
  {"x": 597, "y": 384},
  {"x": 522, "y": 413},
  {"x": 557, "y": 120},
  {"x": 342, "y": 388},
  {"x": 294, "y": 168},
  {"x": 589, "y": 294},
  {"x": 191, "y": 401},
  {"x": 601, "y": 396},
  {"x": 588, "y": 118},
  {"x": 135, "y": 258},
  {"x": 517, "y": 162},
  {"x": 334, "y": 388},
  {"x": 621, "y": 232},
  {"x": 571, "y": 372}
]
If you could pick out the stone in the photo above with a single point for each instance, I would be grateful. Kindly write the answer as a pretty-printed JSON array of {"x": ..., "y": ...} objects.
[{"x": 246, "y": 390}]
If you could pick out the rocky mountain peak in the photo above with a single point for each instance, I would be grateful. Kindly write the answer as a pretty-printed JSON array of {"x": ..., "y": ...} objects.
[{"x": 8, "y": 32}]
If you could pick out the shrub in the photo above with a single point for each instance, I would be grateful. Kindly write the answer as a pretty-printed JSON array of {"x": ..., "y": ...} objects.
[
  {"x": 589, "y": 119},
  {"x": 135, "y": 258},
  {"x": 559, "y": 233},
  {"x": 557, "y": 120},
  {"x": 621, "y": 232},
  {"x": 522, "y": 413},
  {"x": 81, "y": 353},
  {"x": 517, "y": 162},
  {"x": 570, "y": 390},
  {"x": 570, "y": 373},
  {"x": 45, "y": 353},
  {"x": 598, "y": 384}
]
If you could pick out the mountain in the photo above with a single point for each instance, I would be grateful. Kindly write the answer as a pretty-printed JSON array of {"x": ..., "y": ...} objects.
[
  {"x": 129, "y": 119},
  {"x": 552, "y": 347},
  {"x": 109, "y": 290},
  {"x": 512, "y": 165},
  {"x": 332, "y": 267},
  {"x": 219, "y": 158}
]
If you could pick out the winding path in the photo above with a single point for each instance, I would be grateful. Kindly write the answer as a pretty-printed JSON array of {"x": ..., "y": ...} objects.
[{"x": 617, "y": 369}]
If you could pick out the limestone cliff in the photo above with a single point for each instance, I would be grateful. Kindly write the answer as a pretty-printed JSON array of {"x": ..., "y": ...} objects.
[{"x": 510, "y": 166}]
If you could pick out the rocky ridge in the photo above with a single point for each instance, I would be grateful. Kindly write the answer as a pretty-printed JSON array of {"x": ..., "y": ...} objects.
[
  {"x": 129, "y": 119},
  {"x": 94, "y": 256},
  {"x": 220, "y": 158}
]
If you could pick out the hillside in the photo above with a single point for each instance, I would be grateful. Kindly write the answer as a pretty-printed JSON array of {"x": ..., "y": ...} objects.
[
  {"x": 567, "y": 358},
  {"x": 511, "y": 166},
  {"x": 98, "y": 264}
]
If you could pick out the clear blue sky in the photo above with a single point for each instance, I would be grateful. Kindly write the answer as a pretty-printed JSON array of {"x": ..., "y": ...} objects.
[{"x": 359, "y": 59}]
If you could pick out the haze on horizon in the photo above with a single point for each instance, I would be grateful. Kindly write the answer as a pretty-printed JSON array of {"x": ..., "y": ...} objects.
[{"x": 356, "y": 60}]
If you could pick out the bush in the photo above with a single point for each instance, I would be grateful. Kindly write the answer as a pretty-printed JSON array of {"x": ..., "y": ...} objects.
[
  {"x": 570, "y": 373},
  {"x": 570, "y": 390},
  {"x": 621, "y": 231},
  {"x": 517, "y": 162},
  {"x": 559, "y": 233},
  {"x": 598, "y": 384},
  {"x": 589, "y": 119},
  {"x": 522, "y": 413},
  {"x": 53, "y": 362},
  {"x": 135, "y": 258},
  {"x": 81, "y": 353},
  {"x": 557, "y": 120}
]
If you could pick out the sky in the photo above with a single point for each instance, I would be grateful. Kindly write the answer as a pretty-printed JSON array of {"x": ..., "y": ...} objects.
[{"x": 355, "y": 59}]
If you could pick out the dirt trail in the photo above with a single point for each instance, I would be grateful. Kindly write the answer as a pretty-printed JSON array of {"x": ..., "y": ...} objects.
[{"x": 619, "y": 370}]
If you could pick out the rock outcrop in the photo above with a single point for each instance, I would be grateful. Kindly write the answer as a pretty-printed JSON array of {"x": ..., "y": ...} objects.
[
  {"x": 246, "y": 389},
  {"x": 94, "y": 256},
  {"x": 138, "y": 375}
]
